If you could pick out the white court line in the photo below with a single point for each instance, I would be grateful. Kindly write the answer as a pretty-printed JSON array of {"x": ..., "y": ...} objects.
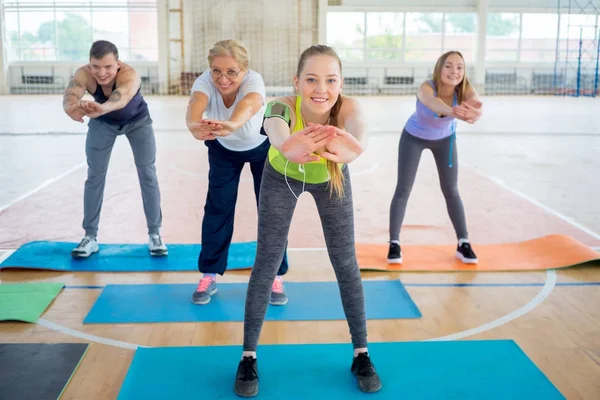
[
  {"x": 500, "y": 182},
  {"x": 91, "y": 338},
  {"x": 536, "y": 301},
  {"x": 47, "y": 182},
  {"x": 365, "y": 171},
  {"x": 371, "y": 168}
]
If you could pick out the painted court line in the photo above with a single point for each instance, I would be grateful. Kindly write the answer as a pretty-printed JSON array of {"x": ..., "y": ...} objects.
[
  {"x": 536, "y": 301},
  {"x": 501, "y": 183},
  {"x": 46, "y": 183},
  {"x": 365, "y": 171},
  {"x": 85, "y": 336}
]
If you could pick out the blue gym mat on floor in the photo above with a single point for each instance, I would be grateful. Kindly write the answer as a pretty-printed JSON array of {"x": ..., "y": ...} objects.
[
  {"x": 307, "y": 301},
  {"x": 496, "y": 369},
  {"x": 121, "y": 257}
]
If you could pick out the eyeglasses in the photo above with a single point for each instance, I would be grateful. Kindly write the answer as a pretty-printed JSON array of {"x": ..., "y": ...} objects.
[{"x": 231, "y": 74}]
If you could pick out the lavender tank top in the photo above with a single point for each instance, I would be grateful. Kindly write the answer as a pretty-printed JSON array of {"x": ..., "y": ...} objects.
[{"x": 427, "y": 125}]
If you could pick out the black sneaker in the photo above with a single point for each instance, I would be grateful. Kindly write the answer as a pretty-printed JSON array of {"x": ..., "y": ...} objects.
[
  {"x": 246, "y": 379},
  {"x": 465, "y": 253},
  {"x": 364, "y": 370},
  {"x": 395, "y": 254}
]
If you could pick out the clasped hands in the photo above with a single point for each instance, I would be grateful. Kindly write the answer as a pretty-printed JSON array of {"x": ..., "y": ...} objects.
[
  {"x": 326, "y": 141},
  {"x": 209, "y": 129},
  {"x": 84, "y": 108},
  {"x": 468, "y": 111}
]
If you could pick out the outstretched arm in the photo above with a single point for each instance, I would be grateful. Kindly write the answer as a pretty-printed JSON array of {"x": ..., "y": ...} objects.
[
  {"x": 73, "y": 95},
  {"x": 351, "y": 141},
  {"x": 426, "y": 96},
  {"x": 354, "y": 121},
  {"x": 470, "y": 109},
  {"x": 299, "y": 146},
  {"x": 277, "y": 131},
  {"x": 128, "y": 82},
  {"x": 244, "y": 110},
  {"x": 193, "y": 117}
]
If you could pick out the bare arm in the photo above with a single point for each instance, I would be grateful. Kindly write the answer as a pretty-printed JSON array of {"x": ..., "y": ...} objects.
[
  {"x": 195, "y": 110},
  {"x": 426, "y": 96},
  {"x": 351, "y": 140},
  {"x": 245, "y": 109},
  {"x": 277, "y": 131},
  {"x": 470, "y": 109},
  {"x": 128, "y": 83},
  {"x": 73, "y": 94},
  {"x": 354, "y": 121},
  {"x": 471, "y": 95},
  {"x": 299, "y": 147}
]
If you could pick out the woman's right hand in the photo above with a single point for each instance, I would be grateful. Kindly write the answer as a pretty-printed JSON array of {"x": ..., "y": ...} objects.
[{"x": 300, "y": 146}]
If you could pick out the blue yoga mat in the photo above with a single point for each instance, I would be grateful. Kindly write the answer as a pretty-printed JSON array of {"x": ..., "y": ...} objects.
[
  {"x": 121, "y": 257},
  {"x": 307, "y": 301},
  {"x": 481, "y": 370}
]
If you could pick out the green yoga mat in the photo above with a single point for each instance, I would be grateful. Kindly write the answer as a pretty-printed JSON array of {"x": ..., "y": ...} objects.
[{"x": 26, "y": 301}]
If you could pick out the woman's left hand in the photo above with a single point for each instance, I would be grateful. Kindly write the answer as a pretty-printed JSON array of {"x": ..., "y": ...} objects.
[{"x": 344, "y": 148}]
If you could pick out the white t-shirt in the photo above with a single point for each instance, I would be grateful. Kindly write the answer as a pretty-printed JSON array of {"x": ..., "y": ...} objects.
[{"x": 248, "y": 136}]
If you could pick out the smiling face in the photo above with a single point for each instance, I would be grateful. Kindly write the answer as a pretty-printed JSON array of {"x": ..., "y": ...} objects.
[
  {"x": 319, "y": 83},
  {"x": 227, "y": 75},
  {"x": 105, "y": 69},
  {"x": 452, "y": 70}
]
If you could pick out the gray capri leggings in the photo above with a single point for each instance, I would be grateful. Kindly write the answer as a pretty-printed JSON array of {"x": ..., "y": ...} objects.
[
  {"x": 275, "y": 211},
  {"x": 409, "y": 155}
]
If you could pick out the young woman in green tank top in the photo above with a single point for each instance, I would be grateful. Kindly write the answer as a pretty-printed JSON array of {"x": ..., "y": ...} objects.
[
  {"x": 314, "y": 136},
  {"x": 311, "y": 172}
]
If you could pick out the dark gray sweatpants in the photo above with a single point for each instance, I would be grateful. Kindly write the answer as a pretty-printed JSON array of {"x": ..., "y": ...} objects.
[
  {"x": 409, "y": 155},
  {"x": 275, "y": 211},
  {"x": 99, "y": 143}
]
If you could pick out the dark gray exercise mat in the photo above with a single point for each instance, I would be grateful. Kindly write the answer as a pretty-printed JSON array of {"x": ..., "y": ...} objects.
[{"x": 37, "y": 371}]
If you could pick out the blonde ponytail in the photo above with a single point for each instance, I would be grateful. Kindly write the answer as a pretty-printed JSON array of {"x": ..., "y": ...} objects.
[{"x": 336, "y": 182}]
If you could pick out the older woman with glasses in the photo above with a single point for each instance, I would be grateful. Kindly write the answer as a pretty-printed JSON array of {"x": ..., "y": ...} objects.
[{"x": 225, "y": 111}]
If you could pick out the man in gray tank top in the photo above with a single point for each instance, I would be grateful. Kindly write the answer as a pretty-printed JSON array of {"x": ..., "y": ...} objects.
[{"x": 118, "y": 109}]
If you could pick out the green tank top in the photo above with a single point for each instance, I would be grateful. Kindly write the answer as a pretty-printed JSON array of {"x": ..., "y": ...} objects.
[{"x": 316, "y": 171}]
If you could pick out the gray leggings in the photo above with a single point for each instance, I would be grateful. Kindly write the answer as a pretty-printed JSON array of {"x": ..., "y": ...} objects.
[
  {"x": 275, "y": 212},
  {"x": 409, "y": 155},
  {"x": 100, "y": 140}
]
